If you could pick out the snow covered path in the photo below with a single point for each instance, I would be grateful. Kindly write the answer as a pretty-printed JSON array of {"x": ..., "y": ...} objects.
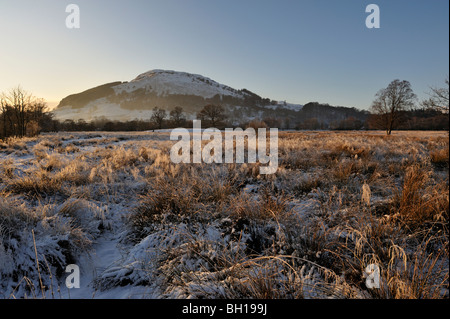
[{"x": 107, "y": 253}]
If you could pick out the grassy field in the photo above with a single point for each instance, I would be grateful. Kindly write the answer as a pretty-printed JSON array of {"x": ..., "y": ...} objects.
[{"x": 140, "y": 226}]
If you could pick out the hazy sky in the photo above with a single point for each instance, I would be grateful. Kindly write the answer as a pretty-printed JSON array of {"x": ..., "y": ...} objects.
[{"x": 294, "y": 50}]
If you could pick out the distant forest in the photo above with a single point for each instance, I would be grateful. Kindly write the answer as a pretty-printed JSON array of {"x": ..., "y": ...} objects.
[
  {"x": 399, "y": 113},
  {"x": 313, "y": 116},
  {"x": 21, "y": 114}
]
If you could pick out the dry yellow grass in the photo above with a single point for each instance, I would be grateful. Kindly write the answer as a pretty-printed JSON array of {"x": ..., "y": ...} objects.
[{"x": 338, "y": 202}]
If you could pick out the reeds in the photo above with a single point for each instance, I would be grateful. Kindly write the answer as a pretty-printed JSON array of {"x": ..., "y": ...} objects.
[{"x": 338, "y": 203}]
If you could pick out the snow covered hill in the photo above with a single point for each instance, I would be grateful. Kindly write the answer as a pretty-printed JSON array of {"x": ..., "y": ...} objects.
[
  {"x": 160, "y": 88},
  {"x": 164, "y": 83}
]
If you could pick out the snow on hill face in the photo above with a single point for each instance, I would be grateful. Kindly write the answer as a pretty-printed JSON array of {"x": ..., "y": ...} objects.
[
  {"x": 124, "y": 101},
  {"x": 165, "y": 83}
]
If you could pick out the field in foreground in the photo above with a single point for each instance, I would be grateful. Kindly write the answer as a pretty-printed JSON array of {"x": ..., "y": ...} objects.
[{"x": 139, "y": 226}]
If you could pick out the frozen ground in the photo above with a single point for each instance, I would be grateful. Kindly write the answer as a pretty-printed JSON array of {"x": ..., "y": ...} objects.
[
  {"x": 139, "y": 226},
  {"x": 106, "y": 251}
]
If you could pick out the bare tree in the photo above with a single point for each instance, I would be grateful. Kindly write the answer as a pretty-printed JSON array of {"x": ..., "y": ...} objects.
[
  {"x": 439, "y": 98},
  {"x": 158, "y": 117},
  {"x": 177, "y": 117},
  {"x": 390, "y": 102},
  {"x": 214, "y": 114},
  {"x": 21, "y": 113},
  {"x": 15, "y": 106}
]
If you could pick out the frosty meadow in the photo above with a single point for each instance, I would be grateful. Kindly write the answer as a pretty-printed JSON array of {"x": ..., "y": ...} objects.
[
  {"x": 207, "y": 154},
  {"x": 213, "y": 151}
]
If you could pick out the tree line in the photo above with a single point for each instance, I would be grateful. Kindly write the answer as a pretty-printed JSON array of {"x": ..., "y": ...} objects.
[
  {"x": 394, "y": 107},
  {"x": 211, "y": 114}
]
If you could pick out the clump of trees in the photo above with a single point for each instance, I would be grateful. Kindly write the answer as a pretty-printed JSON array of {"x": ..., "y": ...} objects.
[
  {"x": 213, "y": 115},
  {"x": 22, "y": 114},
  {"x": 176, "y": 118}
]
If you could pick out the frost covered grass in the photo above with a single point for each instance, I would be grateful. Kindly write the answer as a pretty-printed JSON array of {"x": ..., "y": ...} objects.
[
  {"x": 38, "y": 242},
  {"x": 338, "y": 202}
]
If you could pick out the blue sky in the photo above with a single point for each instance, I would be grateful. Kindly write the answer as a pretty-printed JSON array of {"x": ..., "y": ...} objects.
[{"x": 294, "y": 50}]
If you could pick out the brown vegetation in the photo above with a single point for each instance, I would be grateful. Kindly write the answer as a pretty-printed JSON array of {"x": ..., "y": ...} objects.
[{"x": 338, "y": 202}]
